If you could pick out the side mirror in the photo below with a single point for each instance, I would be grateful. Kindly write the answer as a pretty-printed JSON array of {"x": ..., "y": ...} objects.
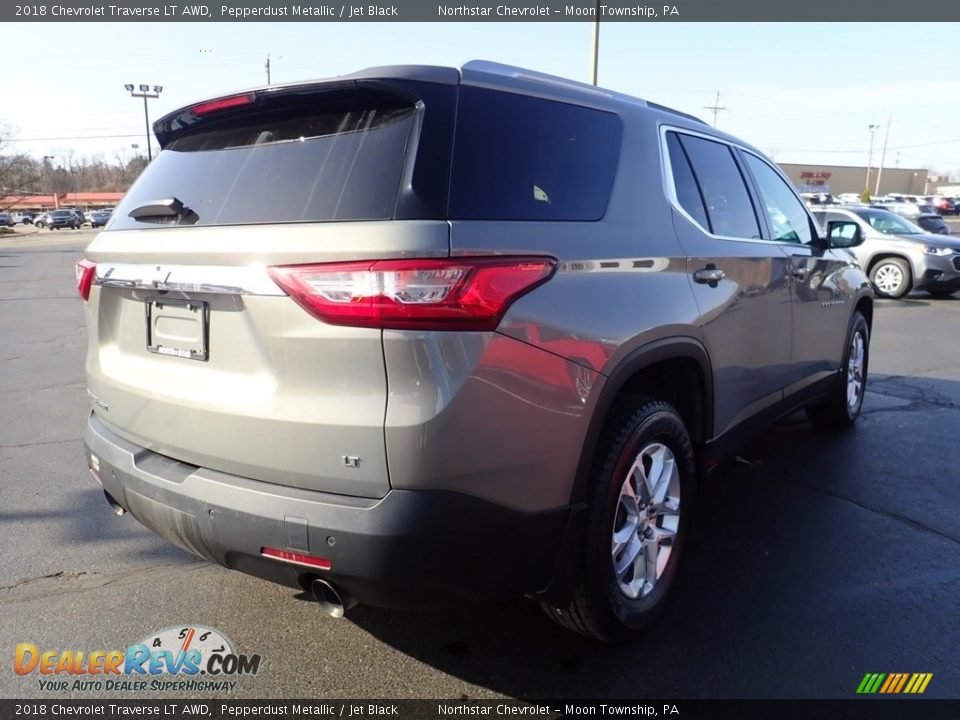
[{"x": 843, "y": 234}]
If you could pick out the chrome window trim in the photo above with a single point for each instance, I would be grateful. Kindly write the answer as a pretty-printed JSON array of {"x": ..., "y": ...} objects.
[
  {"x": 217, "y": 279},
  {"x": 670, "y": 190}
]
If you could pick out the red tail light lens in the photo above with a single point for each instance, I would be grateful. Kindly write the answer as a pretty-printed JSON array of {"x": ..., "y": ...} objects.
[
  {"x": 447, "y": 294},
  {"x": 86, "y": 273},
  {"x": 205, "y": 108}
]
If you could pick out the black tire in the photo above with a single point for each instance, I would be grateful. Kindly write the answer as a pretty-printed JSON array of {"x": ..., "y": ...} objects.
[
  {"x": 836, "y": 411},
  {"x": 903, "y": 267},
  {"x": 599, "y": 608}
]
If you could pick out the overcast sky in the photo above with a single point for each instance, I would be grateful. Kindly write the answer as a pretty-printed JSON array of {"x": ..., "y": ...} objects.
[{"x": 801, "y": 92}]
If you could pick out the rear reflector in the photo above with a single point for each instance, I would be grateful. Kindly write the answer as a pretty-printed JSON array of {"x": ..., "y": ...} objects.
[
  {"x": 297, "y": 558},
  {"x": 86, "y": 272},
  {"x": 205, "y": 108},
  {"x": 429, "y": 294}
]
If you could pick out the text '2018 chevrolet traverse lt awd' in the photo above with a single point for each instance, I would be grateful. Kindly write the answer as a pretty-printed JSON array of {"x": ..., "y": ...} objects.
[{"x": 418, "y": 334}]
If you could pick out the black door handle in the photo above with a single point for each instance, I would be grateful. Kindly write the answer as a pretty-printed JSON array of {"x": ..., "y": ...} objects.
[{"x": 710, "y": 275}]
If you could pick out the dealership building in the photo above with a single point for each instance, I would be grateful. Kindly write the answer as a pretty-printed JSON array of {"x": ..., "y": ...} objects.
[
  {"x": 44, "y": 203},
  {"x": 836, "y": 179}
]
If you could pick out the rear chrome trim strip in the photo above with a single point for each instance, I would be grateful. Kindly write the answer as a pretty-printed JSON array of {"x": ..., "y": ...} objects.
[{"x": 219, "y": 279}]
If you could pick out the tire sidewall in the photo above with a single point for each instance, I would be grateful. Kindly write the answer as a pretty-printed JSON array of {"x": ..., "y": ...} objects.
[
  {"x": 904, "y": 269},
  {"x": 858, "y": 324},
  {"x": 662, "y": 426}
]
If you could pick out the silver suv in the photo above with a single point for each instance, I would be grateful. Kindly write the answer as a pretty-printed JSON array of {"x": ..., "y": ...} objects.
[
  {"x": 419, "y": 334},
  {"x": 899, "y": 256}
]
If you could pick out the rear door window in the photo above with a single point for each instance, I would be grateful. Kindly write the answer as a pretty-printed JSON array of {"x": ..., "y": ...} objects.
[
  {"x": 523, "y": 158},
  {"x": 722, "y": 186}
]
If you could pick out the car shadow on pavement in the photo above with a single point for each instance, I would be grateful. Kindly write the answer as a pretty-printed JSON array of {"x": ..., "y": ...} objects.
[
  {"x": 86, "y": 518},
  {"x": 797, "y": 554}
]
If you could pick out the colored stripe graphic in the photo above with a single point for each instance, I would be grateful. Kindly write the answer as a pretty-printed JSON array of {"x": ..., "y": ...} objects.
[
  {"x": 894, "y": 683},
  {"x": 903, "y": 681}
]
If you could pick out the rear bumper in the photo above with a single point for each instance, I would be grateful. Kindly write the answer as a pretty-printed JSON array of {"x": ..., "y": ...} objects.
[{"x": 409, "y": 548}]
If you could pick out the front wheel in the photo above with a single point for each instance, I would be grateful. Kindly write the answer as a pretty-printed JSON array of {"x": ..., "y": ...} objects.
[
  {"x": 640, "y": 499},
  {"x": 841, "y": 408},
  {"x": 891, "y": 278}
]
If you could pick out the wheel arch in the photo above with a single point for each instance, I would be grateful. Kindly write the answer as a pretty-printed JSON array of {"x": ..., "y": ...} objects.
[
  {"x": 886, "y": 255},
  {"x": 653, "y": 370},
  {"x": 678, "y": 357}
]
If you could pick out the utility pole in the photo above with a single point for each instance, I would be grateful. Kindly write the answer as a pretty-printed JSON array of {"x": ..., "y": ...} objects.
[
  {"x": 866, "y": 185},
  {"x": 595, "y": 46},
  {"x": 267, "y": 68},
  {"x": 898, "y": 159},
  {"x": 715, "y": 107},
  {"x": 883, "y": 155}
]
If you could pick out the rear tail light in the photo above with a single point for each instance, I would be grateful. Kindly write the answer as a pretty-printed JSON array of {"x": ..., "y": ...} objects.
[
  {"x": 86, "y": 272},
  {"x": 447, "y": 294}
]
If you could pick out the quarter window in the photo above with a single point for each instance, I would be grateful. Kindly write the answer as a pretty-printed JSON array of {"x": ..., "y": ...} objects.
[
  {"x": 789, "y": 221},
  {"x": 685, "y": 184},
  {"x": 723, "y": 189}
]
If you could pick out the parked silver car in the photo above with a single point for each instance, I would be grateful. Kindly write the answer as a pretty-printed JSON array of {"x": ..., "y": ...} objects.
[
  {"x": 420, "y": 334},
  {"x": 898, "y": 255}
]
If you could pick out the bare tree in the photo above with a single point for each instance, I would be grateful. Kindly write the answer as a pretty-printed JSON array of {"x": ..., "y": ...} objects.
[{"x": 19, "y": 173}]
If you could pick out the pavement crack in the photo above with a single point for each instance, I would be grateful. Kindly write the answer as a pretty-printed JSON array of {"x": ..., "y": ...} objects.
[
  {"x": 60, "y": 574},
  {"x": 904, "y": 388},
  {"x": 55, "y": 583},
  {"x": 42, "y": 442},
  {"x": 909, "y": 522}
]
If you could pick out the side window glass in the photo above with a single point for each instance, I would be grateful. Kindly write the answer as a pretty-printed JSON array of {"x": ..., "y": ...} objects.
[
  {"x": 722, "y": 187},
  {"x": 685, "y": 184},
  {"x": 788, "y": 218}
]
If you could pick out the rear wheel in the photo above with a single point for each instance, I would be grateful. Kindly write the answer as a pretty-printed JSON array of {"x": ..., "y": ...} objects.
[
  {"x": 842, "y": 406},
  {"x": 640, "y": 499},
  {"x": 891, "y": 277}
]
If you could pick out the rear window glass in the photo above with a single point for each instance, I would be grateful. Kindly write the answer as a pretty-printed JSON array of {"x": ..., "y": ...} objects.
[
  {"x": 524, "y": 158},
  {"x": 330, "y": 156}
]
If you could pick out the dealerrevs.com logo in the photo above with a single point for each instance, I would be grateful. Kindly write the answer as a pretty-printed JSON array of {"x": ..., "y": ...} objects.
[{"x": 187, "y": 658}]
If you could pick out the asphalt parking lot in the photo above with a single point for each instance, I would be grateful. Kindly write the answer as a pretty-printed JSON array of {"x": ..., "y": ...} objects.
[{"x": 817, "y": 557}]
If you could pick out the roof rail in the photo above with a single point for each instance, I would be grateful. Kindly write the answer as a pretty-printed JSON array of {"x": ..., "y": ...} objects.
[
  {"x": 485, "y": 67},
  {"x": 658, "y": 106}
]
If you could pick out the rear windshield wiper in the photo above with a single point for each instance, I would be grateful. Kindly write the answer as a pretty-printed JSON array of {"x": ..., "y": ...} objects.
[{"x": 168, "y": 210}]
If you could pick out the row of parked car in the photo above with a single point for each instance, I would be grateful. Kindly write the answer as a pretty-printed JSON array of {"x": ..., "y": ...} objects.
[
  {"x": 56, "y": 219},
  {"x": 925, "y": 211},
  {"x": 898, "y": 254}
]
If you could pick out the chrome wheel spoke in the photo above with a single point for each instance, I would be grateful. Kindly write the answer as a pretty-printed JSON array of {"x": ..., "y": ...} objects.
[
  {"x": 855, "y": 370},
  {"x": 647, "y": 520},
  {"x": 628, "y": 556}
]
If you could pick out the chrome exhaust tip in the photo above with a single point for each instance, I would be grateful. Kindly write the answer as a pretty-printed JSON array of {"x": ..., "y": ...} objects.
[
  {"x": 114, "y": 505},
  {"x": 332, "y": 602}
]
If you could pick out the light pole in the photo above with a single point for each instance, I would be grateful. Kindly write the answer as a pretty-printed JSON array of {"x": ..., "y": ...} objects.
[
  {"x": 145, "y": 93},
  {"x": 595, "y": 46},
  {"x": 866, "y": 185}
]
